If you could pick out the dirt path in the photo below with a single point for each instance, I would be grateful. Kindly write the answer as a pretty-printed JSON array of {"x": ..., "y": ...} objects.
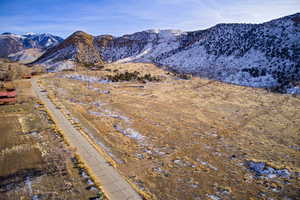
[{"x": 114, "y": 186}]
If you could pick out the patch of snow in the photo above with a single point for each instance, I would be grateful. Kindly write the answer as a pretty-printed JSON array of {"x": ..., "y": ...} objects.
[
  {"x": 84, "y": 174},
  {"x": 262, "y": 169},
  {"x": 168, "y": 33},
  {"x": 129, "y": 132},
  {"x": 214, "y": 197},
  {"x": 293, "y": 90},
  {"x": 85, "y": 78},
  {"x": 49, "y": 42},
  {"x": 108, "y": 113},
  {"x": 30, "y": 34},
  {"x": 98, "y": 104},
  {"x": 59, "y": 66},
  {"x": 161, "y": 153},
  {"x": 29, "y": 184},
  {"x": 180, "y": 163},
  {"x": 35, "y": 197},
  {"x": 207, "y": 164},
  {"x": 90, "y": 182}
]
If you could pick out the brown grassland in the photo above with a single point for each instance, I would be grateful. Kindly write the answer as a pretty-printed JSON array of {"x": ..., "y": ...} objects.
[
  {"x": 35, "y": 163},
  {"x": 187, "y": 139}
]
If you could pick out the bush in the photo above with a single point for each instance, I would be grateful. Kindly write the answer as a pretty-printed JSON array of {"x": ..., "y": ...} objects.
[
  {"x": 132, "y": 76},
  {"x": 184, "y": 76},
  {"x": 88, "y": 65},
  {"x": 180, "y": 75}
]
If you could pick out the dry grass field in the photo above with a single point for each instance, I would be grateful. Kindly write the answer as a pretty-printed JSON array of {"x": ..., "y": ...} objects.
[
  {"x": 188, "y": 139},
  {"x": 35, "y": 163},
  {"x": 10, "y": 70}
]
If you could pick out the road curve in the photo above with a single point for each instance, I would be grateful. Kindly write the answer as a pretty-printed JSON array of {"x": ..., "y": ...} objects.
[{"x": 113, "y": 184}]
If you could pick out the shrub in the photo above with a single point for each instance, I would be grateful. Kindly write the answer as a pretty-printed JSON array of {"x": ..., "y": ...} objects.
[
  {"x": 184, "y": 76},
  {"x": 132, "y": 76}
]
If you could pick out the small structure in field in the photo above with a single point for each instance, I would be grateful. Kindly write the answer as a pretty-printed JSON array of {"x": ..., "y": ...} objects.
[
  {"x": 27, "y": 76},
  {"x": 8, "y": 97}
]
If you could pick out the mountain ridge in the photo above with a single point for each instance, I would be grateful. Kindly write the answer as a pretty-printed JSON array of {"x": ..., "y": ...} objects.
[
  {"x": 12, "y": 43},
  {"x": 262, "y": 55}
]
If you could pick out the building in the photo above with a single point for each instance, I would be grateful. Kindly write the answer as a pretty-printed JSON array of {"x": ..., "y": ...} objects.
[{"x": 8, "y": 97}]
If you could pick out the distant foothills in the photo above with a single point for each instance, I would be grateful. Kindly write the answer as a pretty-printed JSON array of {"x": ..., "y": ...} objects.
[{"x": 263, "y": 55}]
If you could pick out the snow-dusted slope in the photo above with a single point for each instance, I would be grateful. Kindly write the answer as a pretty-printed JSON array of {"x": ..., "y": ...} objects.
[
  {"x": 12, "y": 43},
  {"x": 142, "y": 46},
  {"x": 42, "y": 41},
  {"x": 262, "y": 55},
  {"x": 26, "y": 56},
  {"x": 258, "y": 55}
]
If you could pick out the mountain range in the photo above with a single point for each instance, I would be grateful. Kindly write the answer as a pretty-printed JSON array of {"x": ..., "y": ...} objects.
[
  {"x": 263, "y": 55},
  {"x": 24, "y": 47}
]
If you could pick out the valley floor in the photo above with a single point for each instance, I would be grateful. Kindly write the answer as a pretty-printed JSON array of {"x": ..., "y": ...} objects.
[{"x": 187, "y": 139}]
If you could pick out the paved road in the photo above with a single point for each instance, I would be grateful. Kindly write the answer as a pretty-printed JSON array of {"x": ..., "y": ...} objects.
[{"x": 113, "y": 185}]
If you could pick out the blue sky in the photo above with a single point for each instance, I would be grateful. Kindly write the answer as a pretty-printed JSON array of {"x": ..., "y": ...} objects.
[{"x": 62, "y": 17}]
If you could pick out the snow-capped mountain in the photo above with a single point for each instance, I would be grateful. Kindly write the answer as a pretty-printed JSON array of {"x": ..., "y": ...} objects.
[
  {"x": 258, "y": 55},
  {"x": 12, "y": 43},
  {"x": 44, "y": 40}
]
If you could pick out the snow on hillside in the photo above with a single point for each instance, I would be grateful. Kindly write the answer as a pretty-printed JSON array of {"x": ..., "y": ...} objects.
[
  {"x": 259, "y": 55},
  {"x": 68, "y": 52},
  {"x": 143, "y": 46},
  {"x": 26, "y": 56},
  {"x": 196, "y": 60},
  {"x": 262, "y": 55},
  {"x": 44, "y": 40},
  {"x": 55, "y": 63},
  {"x": 60, "y": 66}
]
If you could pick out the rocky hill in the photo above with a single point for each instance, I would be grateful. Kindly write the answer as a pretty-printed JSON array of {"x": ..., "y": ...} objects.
[
  {"x": 12, "y": 43},
  {"x": 79, "y": 47}
]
